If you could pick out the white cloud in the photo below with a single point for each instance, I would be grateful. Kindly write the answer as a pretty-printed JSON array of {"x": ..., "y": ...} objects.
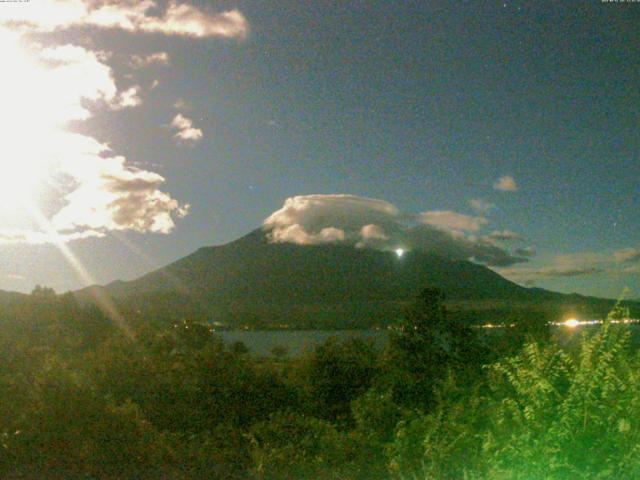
[
  {"x": 186, "y": 131},
  {"x": 506, "y": 183},
  {"x": 481, "y": 206},
  {"x": 298, "y": 235},
  {"x": 43, "y": 90},
  {"x": 129, "y": 98},
  {"x": 76, "y": 76},
  {"x": 341, "y": 211},
  {"x": 373, "y": 232},
  {"x": 623, "y": 261},
  {"x": 157, "y": 58},
  {"x": 46, "y": 88},
  {"x": 119, "y": 197},
  {"x": 134, "y": 16},
  {"x": 372, "y": 236},
  {"x": 367, "y": 222},
  {"x": 452, "y": 221}
]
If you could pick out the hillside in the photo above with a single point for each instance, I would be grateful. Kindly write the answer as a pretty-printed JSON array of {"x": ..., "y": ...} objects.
[{"x": 9, "y": 298}]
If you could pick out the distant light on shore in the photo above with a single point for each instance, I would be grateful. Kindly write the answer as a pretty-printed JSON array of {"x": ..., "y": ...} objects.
[
  {"x": 574, "y": 322},
  {"x": 570, "y": 323},
  {"x": 399, "y": 252}
]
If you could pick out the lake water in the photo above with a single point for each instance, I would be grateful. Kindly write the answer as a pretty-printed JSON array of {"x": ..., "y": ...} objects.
[{"x": 261, "y": 342}]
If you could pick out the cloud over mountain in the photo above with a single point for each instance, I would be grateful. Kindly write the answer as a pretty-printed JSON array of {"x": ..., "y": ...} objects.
[
  {"x": 452, "y": 221},
  {"x": 367, "y": 222}
]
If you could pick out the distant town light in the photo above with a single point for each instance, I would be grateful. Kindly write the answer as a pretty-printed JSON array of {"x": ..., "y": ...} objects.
[
  {"x": 571, "y": 322},
  {"x": 399, "y": 252}
]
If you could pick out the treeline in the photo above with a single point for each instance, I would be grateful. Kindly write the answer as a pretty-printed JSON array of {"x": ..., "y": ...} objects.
[
  {"x": 164, "y": 307},
  {"x": 84, "y": 397}
]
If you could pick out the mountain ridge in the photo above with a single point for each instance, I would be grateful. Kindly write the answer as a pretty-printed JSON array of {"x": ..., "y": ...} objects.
[{"x": 252, "y": 279}]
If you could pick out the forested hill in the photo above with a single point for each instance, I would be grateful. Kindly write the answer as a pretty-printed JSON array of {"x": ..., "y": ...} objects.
[
  {"x": 253, "y": 280},
  {"x": 8, "y": 298}
]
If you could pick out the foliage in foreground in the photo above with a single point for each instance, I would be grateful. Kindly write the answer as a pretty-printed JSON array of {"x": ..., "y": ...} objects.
[
  {"x": 80, "y": 399},
  {"x": 544, "y": 413}
]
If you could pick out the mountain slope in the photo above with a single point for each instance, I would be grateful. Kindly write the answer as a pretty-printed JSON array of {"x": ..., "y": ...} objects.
[
  {"x": 8, "y": 297},
  {"x": 268, "y": 283}
]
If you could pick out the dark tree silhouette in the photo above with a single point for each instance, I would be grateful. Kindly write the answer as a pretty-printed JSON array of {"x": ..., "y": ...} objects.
[{"x": 426, "y": 344}]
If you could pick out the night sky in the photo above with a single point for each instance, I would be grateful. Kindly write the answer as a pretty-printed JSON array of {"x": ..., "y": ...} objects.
[{"x": 513, "y": 125}]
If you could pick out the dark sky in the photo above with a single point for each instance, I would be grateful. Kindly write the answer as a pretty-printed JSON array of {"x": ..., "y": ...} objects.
[{"x": 422, "y": 104}]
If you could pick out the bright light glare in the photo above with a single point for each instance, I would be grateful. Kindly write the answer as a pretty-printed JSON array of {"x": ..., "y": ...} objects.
[
  {"x": 571, "y": 323},
  {"x": 399, "y": 252},
  {"x": 25, "y": 123}
]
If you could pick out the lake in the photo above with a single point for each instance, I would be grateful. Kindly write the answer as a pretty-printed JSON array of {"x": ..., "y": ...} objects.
[{"x": 261, "y": 342}]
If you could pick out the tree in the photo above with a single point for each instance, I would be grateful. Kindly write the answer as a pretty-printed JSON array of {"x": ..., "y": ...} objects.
[
  {"x": 238, "y": 348},
  {"x": 290, "y": 445},
  {"x": 193, "y": 335},
  {"x": 280, "y": 352},
  {"x": 43, "y": 293},
  {"x": 339, "y": 372},
  {"x": 425, "y": 345}
]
